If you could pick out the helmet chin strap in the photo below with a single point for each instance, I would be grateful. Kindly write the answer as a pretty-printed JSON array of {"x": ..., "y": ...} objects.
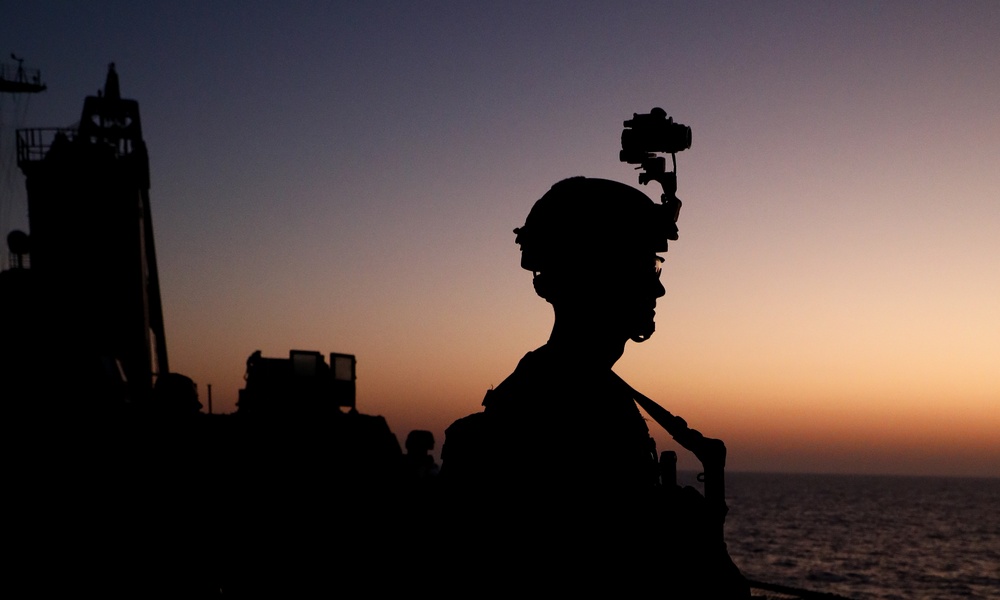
[{"x": 645, "y": 335}]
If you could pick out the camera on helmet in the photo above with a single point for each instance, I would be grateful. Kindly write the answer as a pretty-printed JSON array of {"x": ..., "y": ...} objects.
[
  {"x": 654, "y": 132},
  {"x": 643, "y": 137}
]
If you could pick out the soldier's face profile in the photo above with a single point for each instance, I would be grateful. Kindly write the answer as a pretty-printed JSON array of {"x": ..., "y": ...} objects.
[
  {"x": 638, "y": 294},
  {"x": 621, "y": 296}
]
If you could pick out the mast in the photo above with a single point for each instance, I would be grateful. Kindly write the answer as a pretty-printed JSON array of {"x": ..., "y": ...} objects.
[{"x": 15, "y": 81}]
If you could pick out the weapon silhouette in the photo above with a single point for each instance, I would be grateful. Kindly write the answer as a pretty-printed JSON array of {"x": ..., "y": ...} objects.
[{"x": 710, "y": 452}]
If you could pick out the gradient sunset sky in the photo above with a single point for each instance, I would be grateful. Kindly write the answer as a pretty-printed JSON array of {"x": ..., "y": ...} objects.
[{"x": 345, "y": 176}]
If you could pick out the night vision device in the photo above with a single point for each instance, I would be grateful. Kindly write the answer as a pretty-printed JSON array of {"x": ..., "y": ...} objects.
[{"x": 644, "y": 137}]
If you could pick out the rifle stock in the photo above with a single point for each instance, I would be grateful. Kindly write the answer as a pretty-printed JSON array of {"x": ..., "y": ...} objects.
[{"x": 710, "y": 451}]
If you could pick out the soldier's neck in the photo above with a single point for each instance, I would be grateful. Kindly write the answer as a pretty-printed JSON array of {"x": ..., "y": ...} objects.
[{"x": 586, "y": 345}]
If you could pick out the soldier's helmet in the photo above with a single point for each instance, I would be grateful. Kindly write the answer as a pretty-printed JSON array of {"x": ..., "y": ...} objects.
[{"x": 592, "y": 221}]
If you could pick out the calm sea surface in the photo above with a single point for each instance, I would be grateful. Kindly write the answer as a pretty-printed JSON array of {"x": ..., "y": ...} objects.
[{"x": 868, "y": 537}]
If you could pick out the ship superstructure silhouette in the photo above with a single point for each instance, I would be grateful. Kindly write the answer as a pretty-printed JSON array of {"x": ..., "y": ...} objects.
[{"x": 93, "y": 255}]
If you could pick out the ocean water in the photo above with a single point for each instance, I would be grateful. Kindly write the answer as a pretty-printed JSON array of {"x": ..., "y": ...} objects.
[{"x": 868, "y": 537}]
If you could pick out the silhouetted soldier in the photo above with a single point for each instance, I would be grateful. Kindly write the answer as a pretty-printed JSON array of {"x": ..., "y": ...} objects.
[
  {"x": 561, "y": 444},
  {"x": 418, "y": 463},
  {"x": 560, "y": 419}
]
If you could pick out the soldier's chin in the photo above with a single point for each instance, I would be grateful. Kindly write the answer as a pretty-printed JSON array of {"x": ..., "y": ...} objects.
[{"x": 645, "y": 333}]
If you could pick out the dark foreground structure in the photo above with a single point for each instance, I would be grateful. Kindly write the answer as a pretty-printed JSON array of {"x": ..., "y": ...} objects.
[{"x": 116, "y": 482}]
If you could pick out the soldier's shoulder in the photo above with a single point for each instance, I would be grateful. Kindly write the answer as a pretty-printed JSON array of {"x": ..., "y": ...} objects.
[{"x": 527, "y": 385}]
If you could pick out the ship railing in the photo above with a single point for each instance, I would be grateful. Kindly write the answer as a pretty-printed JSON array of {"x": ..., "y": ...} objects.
[
  {"x": 18, "y": 74},
  {"x": 33, "y": 144}
]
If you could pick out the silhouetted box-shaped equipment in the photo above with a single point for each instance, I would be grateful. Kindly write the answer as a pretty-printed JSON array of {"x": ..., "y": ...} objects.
[
  {"x": 343, "y": 371},
  {"x": 302, "y": 383}
]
